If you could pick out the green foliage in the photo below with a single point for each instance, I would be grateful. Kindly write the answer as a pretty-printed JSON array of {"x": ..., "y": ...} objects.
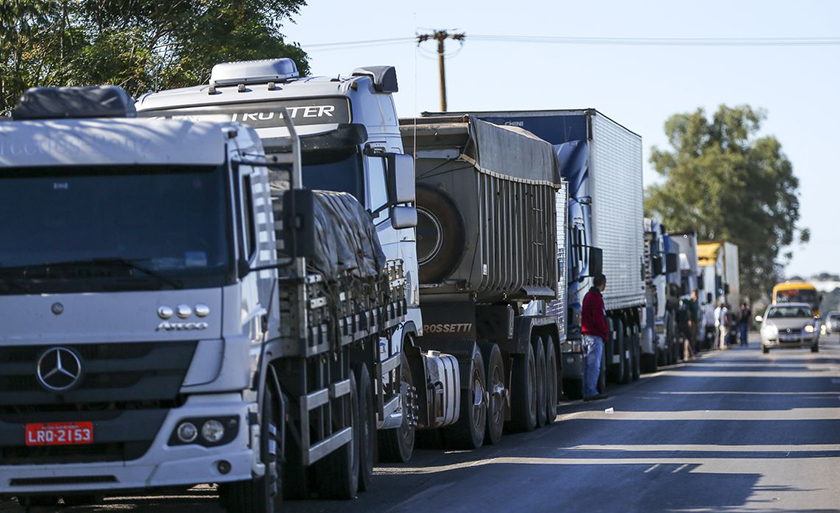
[
  {"x": 726, "y": 183},
  {"x": 141, "y": 45}
]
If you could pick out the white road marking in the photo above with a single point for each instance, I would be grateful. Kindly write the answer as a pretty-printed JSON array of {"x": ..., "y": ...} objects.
[
  {"x": 652, "y": 468},
  {"x": 679, "y": 468}
]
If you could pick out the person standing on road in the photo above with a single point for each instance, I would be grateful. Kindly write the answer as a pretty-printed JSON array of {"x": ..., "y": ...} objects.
[
  {"x": 694, "y": 308},
  {"x": 724, "y": 326},
  {"x": 744, "y": 322},
  {"x": 685, "y": 325},
  {"x": 595, "y": 332}
]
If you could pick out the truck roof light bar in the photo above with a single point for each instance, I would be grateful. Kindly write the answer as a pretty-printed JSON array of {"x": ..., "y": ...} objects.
[
  {"x": 253, "y": 72},
  {"x": 74, "y": 102}
]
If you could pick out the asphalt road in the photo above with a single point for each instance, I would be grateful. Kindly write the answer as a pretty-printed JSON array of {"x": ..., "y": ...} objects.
[{"x": 732, "y": 431}]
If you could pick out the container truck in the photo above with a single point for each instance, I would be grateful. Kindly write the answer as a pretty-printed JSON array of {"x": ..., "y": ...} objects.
[
  {"x": 661, "y": 302},
  {"x": 690, "y": 277},
  {"x": 672, "y": 299},
  {"x": 602, "y": 162},
  {"x": 491, "y": 232},
  {"x": 178, "y": 310}
]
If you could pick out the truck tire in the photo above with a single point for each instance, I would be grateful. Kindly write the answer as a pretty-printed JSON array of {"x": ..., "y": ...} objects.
[
  {"x": 441, "y": 236},
  {"x": 468, "y": 432},
  {"x": 523, "y": 391},
  {"x": 264, "y": 494},
  {"x": 617, "y": 370},
  {"x": 539, "y": 355},
  {"x": 397, "y": 445},
  {"x": 367, "y": 426},
  {"x": 552, "y": 379},
  {"x": 338, "y": 472},
  {"x": 494, "y": 370}
]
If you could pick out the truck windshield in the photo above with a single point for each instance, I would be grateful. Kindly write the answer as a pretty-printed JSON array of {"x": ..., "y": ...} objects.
[
  {"x": 94, "y": 229},
  {"x": 334, "y": 171}
]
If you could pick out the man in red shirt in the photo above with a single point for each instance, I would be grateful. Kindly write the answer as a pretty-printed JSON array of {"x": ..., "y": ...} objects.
[{"x": 595, "y": 331}]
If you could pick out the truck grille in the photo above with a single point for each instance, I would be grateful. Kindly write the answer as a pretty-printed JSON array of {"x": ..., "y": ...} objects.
[{"x": 150, "y": 373}]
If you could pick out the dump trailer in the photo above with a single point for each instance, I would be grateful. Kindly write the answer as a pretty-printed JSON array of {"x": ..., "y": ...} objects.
[
  {"x": 661, "y": 305},
  {"x": 491, "y": 232},
  {"x": 602, "y": 162},
  {"x": 228, "y": 335}
]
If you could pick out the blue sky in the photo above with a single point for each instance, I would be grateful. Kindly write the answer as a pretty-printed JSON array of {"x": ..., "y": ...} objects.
[{"x": 638, "y": 86}]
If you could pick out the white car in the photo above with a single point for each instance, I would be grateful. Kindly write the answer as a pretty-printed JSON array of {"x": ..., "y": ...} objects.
[{"x": 789, "y": 325}]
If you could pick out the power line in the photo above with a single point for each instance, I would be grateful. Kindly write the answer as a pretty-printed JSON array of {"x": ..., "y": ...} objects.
[{"x": 607, "y": 41}]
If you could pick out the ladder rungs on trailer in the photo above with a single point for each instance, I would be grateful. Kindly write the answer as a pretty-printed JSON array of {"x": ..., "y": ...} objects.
[{"x": 327, "y": 445}]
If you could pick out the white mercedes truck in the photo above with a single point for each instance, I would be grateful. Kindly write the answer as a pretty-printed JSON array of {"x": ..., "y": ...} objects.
[{"x": 178, "y": 310}]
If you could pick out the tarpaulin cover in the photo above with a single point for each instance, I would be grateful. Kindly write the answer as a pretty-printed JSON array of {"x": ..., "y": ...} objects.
[
  {"x": 74, "y": 102},
  {"x": 512, "y": 151},
  {"x": 346, "y": 237}
]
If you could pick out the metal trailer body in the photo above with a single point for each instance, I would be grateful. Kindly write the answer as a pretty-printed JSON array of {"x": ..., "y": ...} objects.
[
  {"x": 602, "y": 161},
  {"x": 731, "y": 274},
  {"x": 349, "y": 132},
  {"x": 672, "y": 351},
  {"x": 491, "y": 232}
]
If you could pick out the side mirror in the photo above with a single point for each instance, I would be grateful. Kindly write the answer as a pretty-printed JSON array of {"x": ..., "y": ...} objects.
[
  {"x": 656, "y": 263},
  {"x": 403, "y": 217},
  {"x": 400, "y": 178},
  {"x": 672, "y": 262},
  {"x": 759, "y": 318},
  {"x": 596, "y": 261}
]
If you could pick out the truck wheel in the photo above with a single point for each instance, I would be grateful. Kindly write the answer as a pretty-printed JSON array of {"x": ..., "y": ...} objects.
[
  {"x": 468, "y": 432},
  {"x": 495, "y": 373},
  {"x": 617, "y": 370},
  {"x": 338, "y": 472},
  {"x": 397, "y": 445},
  {"x": 552, "y": 380},
  {"x": 539, "y": 355},
  {"x": 367, "y": 426},
  {"x": 440, "y": 234},
  {"x": 523, "y": 391},
  {"x": 264, "y": 494}
]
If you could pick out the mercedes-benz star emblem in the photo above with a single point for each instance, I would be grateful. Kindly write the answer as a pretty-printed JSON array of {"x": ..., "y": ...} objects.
[{"x": 59, "y": 369}]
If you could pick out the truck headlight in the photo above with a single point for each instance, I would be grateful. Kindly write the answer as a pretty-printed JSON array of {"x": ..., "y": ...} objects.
[
  {"x": 212, "y": 431},
  {"x": 770, "y": 331},
  {"x": 809, "y": 328},
  {"x": 187, "y": 432}
]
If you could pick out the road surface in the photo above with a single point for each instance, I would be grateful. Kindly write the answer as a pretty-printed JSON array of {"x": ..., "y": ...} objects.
[{"x": 732, "y": 431}]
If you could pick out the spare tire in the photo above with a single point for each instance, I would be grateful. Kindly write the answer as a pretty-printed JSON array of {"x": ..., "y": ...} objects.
[{"x": 441, "y": 236}]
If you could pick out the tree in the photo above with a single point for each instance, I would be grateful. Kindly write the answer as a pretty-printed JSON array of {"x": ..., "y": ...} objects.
[
  {"x": 725, "y": 182},
  {"x": 141, "y": 45}
]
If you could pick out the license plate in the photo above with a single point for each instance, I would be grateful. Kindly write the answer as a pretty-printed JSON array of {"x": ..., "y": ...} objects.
[{"x": 60, "y": 433}]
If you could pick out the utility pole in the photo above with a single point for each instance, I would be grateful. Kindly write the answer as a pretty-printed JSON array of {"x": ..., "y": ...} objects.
[{"x": 440, "y": 36}]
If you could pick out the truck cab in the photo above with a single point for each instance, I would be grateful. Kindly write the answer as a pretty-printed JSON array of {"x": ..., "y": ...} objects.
[{"x": 129, "y": 338}]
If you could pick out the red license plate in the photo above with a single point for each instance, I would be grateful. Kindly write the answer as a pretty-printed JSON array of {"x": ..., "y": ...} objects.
[{"x": 60, "y": 433}]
